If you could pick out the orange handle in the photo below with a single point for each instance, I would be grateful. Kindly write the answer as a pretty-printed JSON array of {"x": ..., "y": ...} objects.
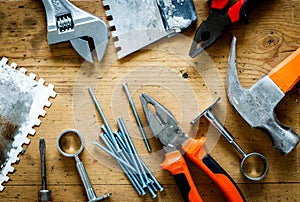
[
  {"x": 287, "y": 73},
  {"x": 175, "y": 163},
  {"x": 196, "y": 152}
]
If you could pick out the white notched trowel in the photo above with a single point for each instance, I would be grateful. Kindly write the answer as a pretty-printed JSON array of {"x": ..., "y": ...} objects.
[{"x": 138, "y": 23}]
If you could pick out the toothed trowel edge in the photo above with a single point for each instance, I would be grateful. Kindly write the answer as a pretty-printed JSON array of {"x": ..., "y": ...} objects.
[
  {"x": 134, "y": 27},
  {"x": 40, "y": 101}
]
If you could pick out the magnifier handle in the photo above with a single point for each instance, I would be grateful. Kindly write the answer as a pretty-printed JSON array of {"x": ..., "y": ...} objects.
[{"x": 85, "y": 179}]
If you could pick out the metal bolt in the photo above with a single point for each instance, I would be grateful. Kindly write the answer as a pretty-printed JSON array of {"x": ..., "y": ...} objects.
[
  {"x": 137, "y": 118},
  {"x": 44, "y": 193}
]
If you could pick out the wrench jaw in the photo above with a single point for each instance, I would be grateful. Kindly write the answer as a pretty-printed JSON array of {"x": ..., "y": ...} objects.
[
  {"x": 82, "y": 47},
  {"x": 95, "y": 38},
  {"x": 256, "y": 105},
  {"x": 66, "y": 22},
  {"x": 100, "y": 35}
]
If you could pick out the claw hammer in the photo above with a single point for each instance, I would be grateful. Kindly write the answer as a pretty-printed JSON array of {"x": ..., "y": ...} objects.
[{"x": 256, "y": 105}]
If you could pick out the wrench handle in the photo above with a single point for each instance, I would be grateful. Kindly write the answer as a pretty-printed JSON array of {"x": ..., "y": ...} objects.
[{"x": 287, "y": 73}]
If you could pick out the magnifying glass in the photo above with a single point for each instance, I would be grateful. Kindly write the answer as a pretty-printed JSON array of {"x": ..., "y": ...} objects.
[
  {"x": 254, "y": 166},
  {"x": 70, "y": 143}
]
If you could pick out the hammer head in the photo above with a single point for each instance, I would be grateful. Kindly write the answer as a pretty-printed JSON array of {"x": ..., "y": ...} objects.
[{"x": 256, "y": 105}]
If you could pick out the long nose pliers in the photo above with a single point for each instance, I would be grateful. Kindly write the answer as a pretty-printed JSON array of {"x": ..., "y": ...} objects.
[
  {"x": 165, "y": 127},
  {"x": 219, "y": 18}
]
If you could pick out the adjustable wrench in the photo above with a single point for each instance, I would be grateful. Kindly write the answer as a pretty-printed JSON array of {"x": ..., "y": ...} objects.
[{"x": 66, "y": 22}]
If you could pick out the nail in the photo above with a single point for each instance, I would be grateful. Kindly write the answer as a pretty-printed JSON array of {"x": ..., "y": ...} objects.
[
  {"x": 125, "y": 133},
  {"x": 154, "y": 195},
  {"x": 130, "y": 175},
  {"x": 126, "y": 136},
  {"x": 109, "y": 131},
  {"x": 152, "y": 177},
  {"x": 113, "y": 155},
  {"x": 137, "y": 118}
]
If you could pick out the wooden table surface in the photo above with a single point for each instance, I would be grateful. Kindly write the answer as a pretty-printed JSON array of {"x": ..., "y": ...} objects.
[{"x": 163, "y": 71}]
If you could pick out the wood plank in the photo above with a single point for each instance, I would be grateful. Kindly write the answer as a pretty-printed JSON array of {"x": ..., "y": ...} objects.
[{"x": 272, "y": 33}]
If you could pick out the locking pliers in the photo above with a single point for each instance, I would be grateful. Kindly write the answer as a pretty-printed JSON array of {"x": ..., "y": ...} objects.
[
  {"x": 165, "y": 127},
  {"x": 66, "y": 22}
]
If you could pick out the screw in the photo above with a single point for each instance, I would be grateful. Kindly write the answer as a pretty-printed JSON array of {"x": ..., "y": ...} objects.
[
  {"x": 137, "y": 118},
  {"x": 44, "y": 194}
]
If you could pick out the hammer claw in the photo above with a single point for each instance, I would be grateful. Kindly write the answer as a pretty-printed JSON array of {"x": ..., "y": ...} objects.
[
  {"x": 233, "y": 84},
  {"x": 256, "y": 105}
]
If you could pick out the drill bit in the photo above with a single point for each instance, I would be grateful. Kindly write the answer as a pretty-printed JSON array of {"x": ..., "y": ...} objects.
[{"x": 44, "y": 194}]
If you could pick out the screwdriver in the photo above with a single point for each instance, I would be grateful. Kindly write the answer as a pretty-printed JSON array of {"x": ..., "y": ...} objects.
[{"x": 44, "y": 193}]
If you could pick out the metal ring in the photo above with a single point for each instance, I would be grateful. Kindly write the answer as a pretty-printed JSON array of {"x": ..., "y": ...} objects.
[
  {"x": 75, "y": 132},
  {"x": 265, "y": 162}
]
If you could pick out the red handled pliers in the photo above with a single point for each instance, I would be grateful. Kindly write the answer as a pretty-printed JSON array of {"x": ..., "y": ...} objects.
[
  {"x": 219, "y": 18},
  {"x": 165, "y": 127}
]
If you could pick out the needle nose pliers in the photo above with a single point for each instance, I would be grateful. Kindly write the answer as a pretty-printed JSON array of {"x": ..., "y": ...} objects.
[
  {"x": 219, "y": 18},
  {"x": 164, "y": 126}
]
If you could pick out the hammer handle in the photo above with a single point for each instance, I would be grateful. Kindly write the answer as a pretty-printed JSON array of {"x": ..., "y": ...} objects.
[{"x": 287, "y": 73}]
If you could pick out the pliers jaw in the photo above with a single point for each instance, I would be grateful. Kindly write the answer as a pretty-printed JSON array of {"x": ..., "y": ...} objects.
[
  {"x": 208, "y": 32},
  {"x": 162, "y": 122}
]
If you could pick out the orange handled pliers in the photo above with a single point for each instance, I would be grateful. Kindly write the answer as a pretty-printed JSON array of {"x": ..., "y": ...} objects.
[{"x": 165, "y": 127}]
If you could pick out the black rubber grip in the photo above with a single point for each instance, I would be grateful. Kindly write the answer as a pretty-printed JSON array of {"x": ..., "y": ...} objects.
[
  {"x": 183, "y": 186},
  {"x": 213, "y": 165},
  {"x": 217, "y": 169}
]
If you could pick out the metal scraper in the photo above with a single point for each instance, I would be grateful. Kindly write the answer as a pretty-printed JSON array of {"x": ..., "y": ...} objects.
[
  {"x": 138, "y": 23},
  {"x": 22, "y": 101}
]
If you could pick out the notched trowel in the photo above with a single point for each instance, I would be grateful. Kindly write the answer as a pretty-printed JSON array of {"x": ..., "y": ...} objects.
[
  {"x": 138, "y": 23},
  {"x": 22, "y": 101}
]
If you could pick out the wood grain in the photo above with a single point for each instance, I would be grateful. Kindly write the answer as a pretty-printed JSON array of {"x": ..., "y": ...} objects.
[{"x": 273, "y": 32}]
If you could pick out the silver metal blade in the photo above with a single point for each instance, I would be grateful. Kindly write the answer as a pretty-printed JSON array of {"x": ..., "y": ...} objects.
[
  {"x": 137, "y": 24},
  {"x": 22, "y": 101}
]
